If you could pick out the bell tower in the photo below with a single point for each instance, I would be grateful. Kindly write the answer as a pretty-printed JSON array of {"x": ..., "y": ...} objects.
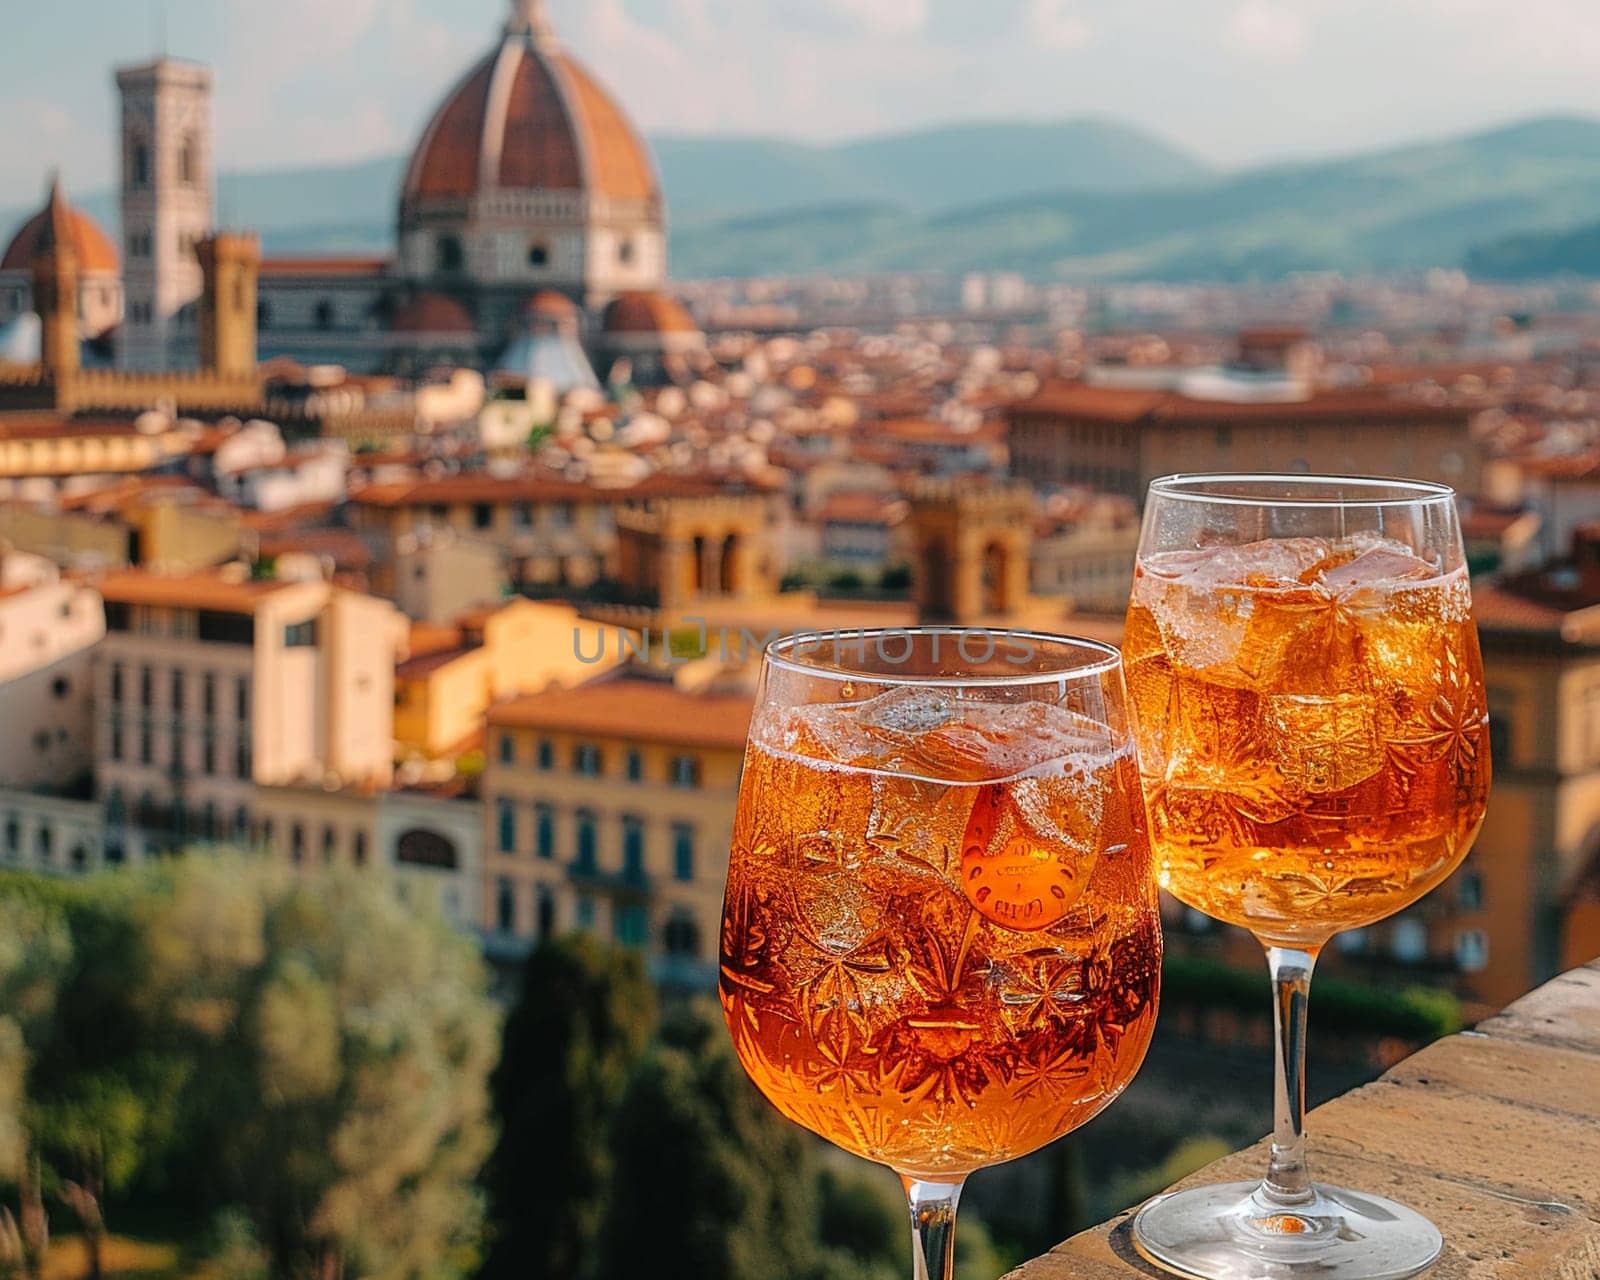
[
  {"x": 55, "y": 290},
  {"x": 166, "y": 208}
]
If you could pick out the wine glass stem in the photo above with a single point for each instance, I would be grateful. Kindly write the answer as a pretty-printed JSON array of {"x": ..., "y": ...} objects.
[
  {"x": 933, "y": 1227},
  {"x": 1288, "y": 1181}
]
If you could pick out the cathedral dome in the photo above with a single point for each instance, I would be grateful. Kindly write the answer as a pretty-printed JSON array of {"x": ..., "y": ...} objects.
[
  {"x": 92, "y": 247},
  {"x": 648, "y": 312},
  {"x": 530, "y": 118}
]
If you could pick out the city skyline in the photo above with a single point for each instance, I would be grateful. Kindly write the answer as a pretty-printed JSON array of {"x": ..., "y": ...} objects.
[{"x": 1234, "y": 81}]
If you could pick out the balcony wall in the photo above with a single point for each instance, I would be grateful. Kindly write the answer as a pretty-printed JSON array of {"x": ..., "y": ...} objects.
[{"x": 1494, "y": 1134}]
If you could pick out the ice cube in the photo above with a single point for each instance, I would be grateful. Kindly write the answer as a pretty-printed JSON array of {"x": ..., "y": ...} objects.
[
  {"x": 1325, "y": 742},
  {"x": 907, "y": 711},
  {"x": 920, "y": 822},
  {"x": 1380, "y": 567}
]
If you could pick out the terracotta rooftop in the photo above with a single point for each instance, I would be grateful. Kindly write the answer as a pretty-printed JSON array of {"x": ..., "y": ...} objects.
[
  {"x": 92, "y": 247},
  {"x": 648, "y": 313},
  {"x": 530, "y": 487},
  {"x": 1129, "y": 406},
  {"x": 351, "y": 266},
  {"x": 208, "y": 591},
  {"x": 634, "y": 710},
  {"x": 425, "y": 664}
]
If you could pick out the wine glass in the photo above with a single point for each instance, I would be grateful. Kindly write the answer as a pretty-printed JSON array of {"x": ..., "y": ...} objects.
[
  {"x": 941, "y": 943},
  {"x": 1309, "y": 706}
]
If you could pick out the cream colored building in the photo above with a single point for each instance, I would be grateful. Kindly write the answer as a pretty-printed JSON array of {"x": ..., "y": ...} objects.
[
  {"x": 608, "y": 809},
  {"x": 48, "y": 629},
  {"x": 208, "y": 685}
]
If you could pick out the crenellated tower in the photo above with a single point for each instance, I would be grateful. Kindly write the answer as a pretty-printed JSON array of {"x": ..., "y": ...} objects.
[
  {"x": 230, "y": 264},
  {"x": 55, "y": 289}
]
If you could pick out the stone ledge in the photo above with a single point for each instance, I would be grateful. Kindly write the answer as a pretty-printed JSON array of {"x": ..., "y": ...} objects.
[{"x": 1494, "y": 1134}]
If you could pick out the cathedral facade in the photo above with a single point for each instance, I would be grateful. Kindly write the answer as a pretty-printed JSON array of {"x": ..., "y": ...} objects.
[{"x": 528, "y": 184}]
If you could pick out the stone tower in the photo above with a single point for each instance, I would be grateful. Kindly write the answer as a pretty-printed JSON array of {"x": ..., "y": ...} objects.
[
  {"x": 166, "y": 208},
  {"x": 55, "y": 289},
  {"x": 230, "y": 264},
  {"x": 973, "y": 542}
]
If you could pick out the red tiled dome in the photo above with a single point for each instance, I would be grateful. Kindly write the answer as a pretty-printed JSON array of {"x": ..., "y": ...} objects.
[
  {"x": 551, "y": 305},
  {"x": 433, "y": 313},
  {"x": 93, "y": 248},
  {"x": 529, "y": 117},
  {"x": 648, "y": 313}
]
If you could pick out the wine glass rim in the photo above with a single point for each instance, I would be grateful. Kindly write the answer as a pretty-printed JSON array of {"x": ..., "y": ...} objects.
[
  {"x": 1099, "y": 657},
  {"x": 1213, "y": 487}
]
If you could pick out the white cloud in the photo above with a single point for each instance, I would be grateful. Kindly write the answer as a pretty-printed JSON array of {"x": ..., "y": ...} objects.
[
  {"x": 1268, "y": 30},
  {"x": 1054, "y": 24},
  {"x": 882, "y": 17}
]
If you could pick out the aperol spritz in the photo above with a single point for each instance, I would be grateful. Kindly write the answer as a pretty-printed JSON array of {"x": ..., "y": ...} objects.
[{"x": 941, "y": 946}]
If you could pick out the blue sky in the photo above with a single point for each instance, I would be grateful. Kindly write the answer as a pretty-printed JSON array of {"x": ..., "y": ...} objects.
[{"x": 1234, "y": 80}]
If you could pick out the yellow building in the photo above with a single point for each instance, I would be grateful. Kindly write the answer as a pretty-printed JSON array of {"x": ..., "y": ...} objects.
[
  {"x": 454, "y": 674},
  {"x": 609, "y": 809}
]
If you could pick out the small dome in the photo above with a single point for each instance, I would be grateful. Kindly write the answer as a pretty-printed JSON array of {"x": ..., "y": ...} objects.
[
  {"x": 92, "y": 247},
  {"x": 433, "y": 313},
  {"x": 651, "y": 312},
  {"x": 550, "y": 305}
]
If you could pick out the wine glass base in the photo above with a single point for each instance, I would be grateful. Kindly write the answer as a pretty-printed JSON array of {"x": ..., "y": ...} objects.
[{"x": 1230, "y": 1232}]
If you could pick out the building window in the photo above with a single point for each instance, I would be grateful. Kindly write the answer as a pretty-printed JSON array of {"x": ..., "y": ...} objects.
[
  {"x": 188, "y": 163},
  {"x": 116, "y": 683},
  {"x": 1499, "y": 739},
  {"x": 44, "y": 842},
  {"x": 625, "y": 252},
  {"x": 505, "y": 910},
  {"x": 547, "y": 756},
  {"x": 538, "y": 255},
  {"x": 147, "y": 745},
  {"x": 241, "y": 699},
  {"x": 297, "y": 843},
  {"x": 633, "y": 849},
  {"x": 147, "y": 688},
  {"x": 681, "y": 938},
  {"x": 586, "y": 840},
  {"x": 508, "y": 749},
  {"x": 683, "y": 851},
  {"x": 241, "y": 825},
  {"x": 547, "y": 913},
  {"x": 330, "y": 845},
  {"x": 241, "y": 758},
  {"x": 208, "y": 754},
  {"x": 633, "y": 925},
  {"x": 506, "y": 825},
  {"x": 586, "y": 760},
  {"x": 1472, "y": 951},
  {"x": 208, "y": 694},
  {"x": 635, "y": 766},
  {"x": 482, "y": 516},
  {"x": 544, "y": 825},
  {"x": 140, "y": 175},
  {"x": 114, "y": 747},
  {"x": 1469, "y": 893},
  {"x": 685, "y": 771},
  {"x": 60, "y": 687},
  {"x": 13, "y": 835},
  {"x": 177, "y": 692},
  {"x": 585, "y": 911},
  {"x": 522, "y": 516},
  {"x": 300, "y": 635},
  {"x": 358, "y": 848},
  {"x": 450, "y": 254},
  {"x": 263, "y": 314},
  {"x": 1409, "y": 942}
]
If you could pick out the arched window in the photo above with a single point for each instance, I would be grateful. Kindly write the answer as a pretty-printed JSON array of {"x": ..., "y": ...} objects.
[
  {"x": 506, "y": 906},
  {"x": 422, "y": 848},
  {"x": 625, "y": 252},
  {"x": 681, "y": 937},
  {"x": 586, "y": 840},
  {"x": 451, "y": 257},
  {"x": 188, "y": 163},
  {"x": 139, "y": 165}
]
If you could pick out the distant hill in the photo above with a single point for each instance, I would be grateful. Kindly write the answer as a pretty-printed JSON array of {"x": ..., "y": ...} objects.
[
  {"x": 1533, "y": 254},
  {"x": 1086, "y": 199},
  {"x": 1404, "y": 208}
]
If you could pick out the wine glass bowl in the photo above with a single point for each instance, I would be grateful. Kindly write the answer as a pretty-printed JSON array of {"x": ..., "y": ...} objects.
[
  {"x": 941, "y": 943},
  {"x": 1309, "y": 703}
]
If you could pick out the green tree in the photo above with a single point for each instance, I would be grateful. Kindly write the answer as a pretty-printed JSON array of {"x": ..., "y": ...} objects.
[
  {"x": 581, "y": 1021},
  {"x": 737, "y": 1198},
  {"x": 347, "y": 1040}
]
